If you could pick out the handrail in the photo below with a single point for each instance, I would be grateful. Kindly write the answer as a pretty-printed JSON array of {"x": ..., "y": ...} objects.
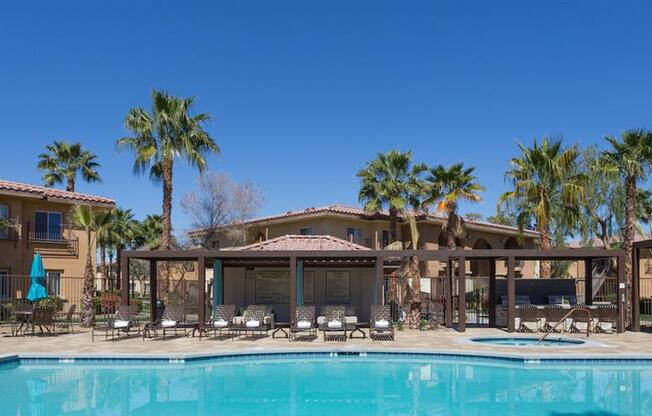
[{"x": 562, "y": 320}]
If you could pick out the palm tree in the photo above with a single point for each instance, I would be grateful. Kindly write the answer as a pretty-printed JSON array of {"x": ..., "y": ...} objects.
[
  {"x": 447, "y": 188},
  {"x": 168, "y": 133},
  {"x": 124, "y": 229},
  {"x": 64, "y": 161},
  {"x": 92, "y": 221},
  {"x": 546, "y": 177},
  {"x": 390, "y": 181},
  {"x": 629, "y": 158},
  {"x": 150, "y": 232}
]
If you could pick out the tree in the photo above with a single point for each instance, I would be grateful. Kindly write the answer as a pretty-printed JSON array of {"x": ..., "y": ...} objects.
[
  {"x": 473, "y": 216},
  {"x": 629, "y": 159},
  {"x": 64, "y": 161},
  {"x": 150, "y": 232},
  {"x": 159, "y": 138},
  {"x": 218, "y": 202},
  {"x": 505, "y": 215},
  {"x": 548, "y": 187},
  {"x": 390, "y": 181},
  {"x": 447, "y": 188},
  {"x": 412, "y": 272},
  {"x": 124, "y": 229},
  {"x": 92, "y": 221}
]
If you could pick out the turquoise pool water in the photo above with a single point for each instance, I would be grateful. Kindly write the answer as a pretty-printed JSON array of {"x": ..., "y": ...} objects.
[
  {"x": 323, "y": 385},
  {"x": 529, "y": 341}
]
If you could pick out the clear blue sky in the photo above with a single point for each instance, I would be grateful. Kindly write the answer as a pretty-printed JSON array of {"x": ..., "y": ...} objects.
[{"x": 304, "y": 92}]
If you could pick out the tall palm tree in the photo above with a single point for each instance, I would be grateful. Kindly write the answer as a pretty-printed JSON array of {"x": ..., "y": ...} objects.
[
  {"x": 159, "y": 138},
  {"x": 64, "y": 161},
  {"x": 92, "y": 221},
  {"x": 150, "y": 232},
  {"x": 447, "y": 188},
  {"x": 629, "y": 158},
  {"x": 390, "y": 181},
  {"x": 547, "y": 187},
  {"x": 124, "y": 229}
]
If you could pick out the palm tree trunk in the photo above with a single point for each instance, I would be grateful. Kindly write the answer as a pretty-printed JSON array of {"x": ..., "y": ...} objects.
[
  {"x": 415, "y": 294},
  {"x": 70, "y": 186},
  {"x": 103, "y": 265},
  {"x": 628, "y": 242},
  {"x": 163, "y": 272},
  {"x": 113, "y": 286},
  {"x": 546, "y": 244},
  {"x": 118, "y": 280},
  {"x": 393, "y": 225},
  {"x": 89, "y": 289}
]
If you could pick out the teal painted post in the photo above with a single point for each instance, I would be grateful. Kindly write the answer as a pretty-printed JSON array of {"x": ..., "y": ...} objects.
[
  {"x": 299, "y": 282},
  {"x": 218, "y": 283}
]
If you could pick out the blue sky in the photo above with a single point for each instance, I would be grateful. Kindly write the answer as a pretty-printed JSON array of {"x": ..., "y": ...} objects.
[{"x": 303, "y": 93}]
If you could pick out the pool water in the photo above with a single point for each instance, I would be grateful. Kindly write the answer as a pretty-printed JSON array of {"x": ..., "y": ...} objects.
[
  {"x": 529, "y": 341},
  {"x": 310, "y": 385}
]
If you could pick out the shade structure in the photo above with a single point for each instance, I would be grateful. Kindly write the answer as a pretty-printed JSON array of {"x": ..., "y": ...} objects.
[{"x": 37, "y": 290}]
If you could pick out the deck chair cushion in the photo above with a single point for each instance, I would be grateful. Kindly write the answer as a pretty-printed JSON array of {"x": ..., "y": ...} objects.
[
  {"x": 304, "y": 324},
  {"x": 382, "y": 323},
  {"x": 220, "y": 323},
  {"x": 252, "y": 324},
  {"x": 120, "y": 324},
  {"x": 334, "y": 324},
  {"x": 168, "y": 323}
]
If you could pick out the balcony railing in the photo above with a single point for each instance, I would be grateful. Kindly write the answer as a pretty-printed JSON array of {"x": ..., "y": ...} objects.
[{"x": 60, "y": 234}]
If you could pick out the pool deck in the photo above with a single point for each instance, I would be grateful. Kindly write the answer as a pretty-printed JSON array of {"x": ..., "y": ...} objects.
[{"x": 630, "y": 345}]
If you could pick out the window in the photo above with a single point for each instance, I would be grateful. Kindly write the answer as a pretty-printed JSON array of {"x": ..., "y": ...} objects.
[
  {"x": 47, "y": 225},
  {"x": 354, "y": 233},
  {"x": 384, "y": 239},
  {"x": 306, "y": 231},
  {"x": 4, "y": 283},
  {"x": 53, "y": 283},
  {"x": 4, "y": 215}
]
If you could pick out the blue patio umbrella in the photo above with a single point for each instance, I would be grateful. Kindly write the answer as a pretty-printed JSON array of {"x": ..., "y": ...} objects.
[{"x": 37, "y": 290}]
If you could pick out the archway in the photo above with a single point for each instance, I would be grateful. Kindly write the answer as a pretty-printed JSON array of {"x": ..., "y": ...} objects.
[{"x": 480, "y": 267}]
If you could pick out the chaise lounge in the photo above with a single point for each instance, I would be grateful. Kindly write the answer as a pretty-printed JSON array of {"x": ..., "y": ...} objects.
[
  {"x": 304, "y": 324},
  {"x": 123, "y": 321},
  {"x": 380, "y": 324}
]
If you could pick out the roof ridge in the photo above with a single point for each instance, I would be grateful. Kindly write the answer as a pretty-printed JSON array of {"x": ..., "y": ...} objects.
[{"x": 54, "y": 192}]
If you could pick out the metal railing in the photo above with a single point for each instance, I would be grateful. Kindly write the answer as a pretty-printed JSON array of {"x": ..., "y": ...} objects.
[
  {"x": 571, "y": 312},
  {"x": 60, "y": 234}
]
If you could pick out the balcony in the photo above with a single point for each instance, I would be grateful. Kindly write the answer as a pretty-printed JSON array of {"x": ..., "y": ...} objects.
[{"x": 57, "y": 241}]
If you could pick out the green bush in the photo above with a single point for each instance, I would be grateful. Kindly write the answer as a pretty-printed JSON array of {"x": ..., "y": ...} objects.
[{"x": 51, "y": 301}]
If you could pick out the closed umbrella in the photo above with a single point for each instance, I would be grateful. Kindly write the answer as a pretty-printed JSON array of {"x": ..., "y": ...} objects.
[{"x": 37, "y": 290}]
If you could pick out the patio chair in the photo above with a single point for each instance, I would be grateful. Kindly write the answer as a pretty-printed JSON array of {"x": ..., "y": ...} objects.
[
  {"x": 171, "y": 320},
  {"x": 380, "y": 324},
  {"x": 607, "y": 318},
  {"x": 65, "y": 320},
  {"x": 21, "y": 318},
  {"x": 43, "y": 317},
  {"x": 123, "y": 321},
  {"x": 335, "y": 321},
  {"x": 581, "y": 321},
  {"x": 554, "y": 314},
  {"x": 304, "y": 325},
  {"x": 528, "y": 319},
  {"x": 221, "y": 320},
  {"x": 254, "y": 320}
]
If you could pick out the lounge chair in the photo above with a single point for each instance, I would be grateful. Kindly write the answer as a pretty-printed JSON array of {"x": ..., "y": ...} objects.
[
  {"x": 171, "y": 321},
  {"x": 554, "y": 315},
  {"x": 581, "y": 321},
  {"x": 380, "y": 324},
  {"x": 304, "y": 324},
  {"x": 607, "y": 318},
  {"x": 221, "y": 320},
  {"x": 124, "y": 321},
  {"x": 253, "y": 320},
  {"x": 528, "y": 318},
  {"x": 335, "y": 321}
]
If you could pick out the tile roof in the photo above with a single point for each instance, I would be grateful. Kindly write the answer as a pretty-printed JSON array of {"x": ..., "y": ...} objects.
[
  {"x": 361, "y": 213},
  {"x": 304, "y": 242},
  {"x": 51, "y": 193}
]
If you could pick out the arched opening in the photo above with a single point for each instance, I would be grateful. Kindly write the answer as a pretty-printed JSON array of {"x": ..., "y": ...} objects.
[
  {"x": 512, "y": 244},
  {"x": 443, "y": 242},
  {"x": 480, "y": 267}
]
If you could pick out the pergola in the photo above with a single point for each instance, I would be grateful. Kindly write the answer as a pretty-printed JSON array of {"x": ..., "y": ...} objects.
[
  {"x": 636, "y": 288},
  {"x": 297, "y": 260}
]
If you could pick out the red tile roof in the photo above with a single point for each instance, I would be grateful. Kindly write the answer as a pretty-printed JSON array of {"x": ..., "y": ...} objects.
[
  {"x": 51, "y": 193},
  {"x": 361, "y": 213},
  {"x": 304, "y": 242}
]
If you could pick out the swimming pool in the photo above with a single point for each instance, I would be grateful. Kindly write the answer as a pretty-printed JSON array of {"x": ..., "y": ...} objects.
[
  {"x": 322, "y": 384},
  {"x": 529, "y": 341}
]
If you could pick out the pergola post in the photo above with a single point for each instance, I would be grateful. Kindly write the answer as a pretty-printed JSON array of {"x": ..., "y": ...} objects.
[
  {"x": 511, "y": 294},
  {"x": 588, "y": 281},
  {"x": 124, "y": 275},
  {"x": 153, "y": 295},
  {"x": 377, "y": 291},
  {"x": 201, "y": 281},
  {"x": 636, "y": 291},
  {"x": 218, "y": 283},
  {"x": 461, "y": 296},
  {"x": 621, "y": 294},
  {"x": 293, "y": 287},
  {"x": 299, "y": 282},
  {"x": 448, "y": 289},
  {"x": 492, "y": 293}
]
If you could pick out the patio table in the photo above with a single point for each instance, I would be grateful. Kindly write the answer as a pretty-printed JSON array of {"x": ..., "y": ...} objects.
[
  {"x": 281, "y": 327},
  {"x": 358, "y": 328}
]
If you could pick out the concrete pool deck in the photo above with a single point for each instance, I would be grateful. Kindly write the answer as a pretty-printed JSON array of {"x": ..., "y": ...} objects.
[{"x": 629, "y": 345}]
